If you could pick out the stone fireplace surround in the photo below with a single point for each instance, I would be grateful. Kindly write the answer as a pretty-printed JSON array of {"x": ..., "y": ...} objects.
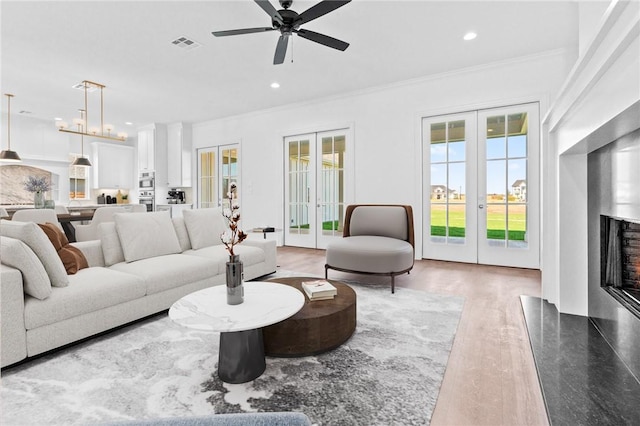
[{"x": 614, "y": 191}]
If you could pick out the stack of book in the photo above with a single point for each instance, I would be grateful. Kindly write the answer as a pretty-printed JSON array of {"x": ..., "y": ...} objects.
[{"x": 319, "y": 290}]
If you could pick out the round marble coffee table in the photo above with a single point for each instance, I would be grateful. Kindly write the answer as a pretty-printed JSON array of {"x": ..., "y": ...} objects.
[{"x": 241, "y": 356}]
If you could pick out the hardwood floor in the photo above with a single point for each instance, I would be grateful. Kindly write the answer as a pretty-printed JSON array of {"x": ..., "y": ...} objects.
[{"x": 491, "y": 377}]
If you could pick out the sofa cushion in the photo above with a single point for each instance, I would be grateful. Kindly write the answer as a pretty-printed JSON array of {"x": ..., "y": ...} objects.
[
  {"x": 17, "y": 254},
  {"x": 165, "y": 272},
  {"x": 111, "y": 248},
  {"x": 219, "y": 255},
  {"x": 31, "y": 234},
  {"x": 89, "y": 290},
  {"x": 204, "y": 226},
  {"x": 182, "y": 233},
  {"x": 146, "y": 235},
  {"x": 71, "y": 257}
]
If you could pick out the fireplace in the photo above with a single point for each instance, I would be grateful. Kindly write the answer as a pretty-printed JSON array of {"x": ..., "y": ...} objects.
[{"x": 620, "y": 260}]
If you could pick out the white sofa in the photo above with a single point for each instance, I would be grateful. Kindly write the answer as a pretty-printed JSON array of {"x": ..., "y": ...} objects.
[{"x": 140, "y": 266}]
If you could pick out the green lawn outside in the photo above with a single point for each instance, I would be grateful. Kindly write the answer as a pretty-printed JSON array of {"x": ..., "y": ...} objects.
[
  {"x": 495, "y": 226},
  {"x": 326, "y": 226}
]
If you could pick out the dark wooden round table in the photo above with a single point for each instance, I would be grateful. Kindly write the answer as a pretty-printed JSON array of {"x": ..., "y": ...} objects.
[{"x": 321, "y": 325}]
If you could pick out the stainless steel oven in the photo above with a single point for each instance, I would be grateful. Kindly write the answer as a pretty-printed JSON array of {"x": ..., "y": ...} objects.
[
  {"x": 146, "y": 180},
  {"x": 147, "y": 198}
]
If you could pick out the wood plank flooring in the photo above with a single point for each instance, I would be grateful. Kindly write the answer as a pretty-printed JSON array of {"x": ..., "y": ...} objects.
[{"x": 491, "y": 377}]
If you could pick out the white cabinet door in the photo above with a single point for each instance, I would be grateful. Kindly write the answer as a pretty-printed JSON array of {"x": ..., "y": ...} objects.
[
  {"x": 113, "y": 166},
  {"x": 146, "y": 150},
  {"x": 179, "y": 155}
]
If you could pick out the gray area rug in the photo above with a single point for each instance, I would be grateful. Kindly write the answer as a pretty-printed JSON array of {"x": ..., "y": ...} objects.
[{"x": 389, "y": 372}]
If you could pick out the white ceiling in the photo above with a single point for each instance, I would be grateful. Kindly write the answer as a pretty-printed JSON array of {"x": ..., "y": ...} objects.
[{"x": 49, "y": 46}]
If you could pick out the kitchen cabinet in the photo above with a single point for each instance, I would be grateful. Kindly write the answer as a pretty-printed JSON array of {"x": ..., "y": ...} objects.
[
  {"x": 113, "y": 166},
  {"x": 179, "y": 155},
  {"x": 146, "y": 149}
]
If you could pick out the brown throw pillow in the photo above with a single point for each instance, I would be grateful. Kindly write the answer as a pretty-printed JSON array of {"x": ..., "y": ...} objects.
[{"x": 72, "y": 258}]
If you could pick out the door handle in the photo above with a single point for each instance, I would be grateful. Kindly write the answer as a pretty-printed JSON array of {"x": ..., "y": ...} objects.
[{"x": 481, "y": 206}]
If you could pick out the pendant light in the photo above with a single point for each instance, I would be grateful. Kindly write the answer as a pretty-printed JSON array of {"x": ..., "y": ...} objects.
[
  {"x": 81, "y": 161},
  {"x": 8, "y": 155}
]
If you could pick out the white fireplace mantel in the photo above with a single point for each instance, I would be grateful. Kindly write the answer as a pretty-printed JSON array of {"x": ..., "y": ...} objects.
[{"x": 599, "y": 101}]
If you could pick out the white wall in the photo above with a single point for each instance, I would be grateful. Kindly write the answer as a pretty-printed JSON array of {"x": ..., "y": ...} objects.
[
  {"x": 604, "y": 83},
  {"x": 386, "y": 125}
]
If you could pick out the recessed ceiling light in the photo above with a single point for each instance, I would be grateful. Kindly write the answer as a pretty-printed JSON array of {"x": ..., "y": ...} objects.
[
  {"x": 470, "y": 36},
  {"x": 58, "y": 119},
  {"x": 275, "y": 85},
  {"x": 128, "y": 123}
]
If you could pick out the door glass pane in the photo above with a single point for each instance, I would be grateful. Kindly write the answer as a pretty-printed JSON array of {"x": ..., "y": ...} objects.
[
  {"x": 517, "y": 146},
  {"x": 208, "y": 184},
  {"x": 332, "y": 185},
  {"x": 448, "y": 177},
  {"x": 299, "y": 187},
  {"x": 496, "y": 181},
  {"x": 517, "y": 222},
  {"x": 229, "y": 171},
  {"x": 506, "y": 190},
  {"x": 496, "y": 224},
  {"x": 496, "y": 141}
]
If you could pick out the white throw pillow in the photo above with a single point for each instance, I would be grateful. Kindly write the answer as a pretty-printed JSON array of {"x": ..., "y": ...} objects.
[
  {"x": 111, "y": 248},
  {"x": 17, "y": 254},
  {"x": 204, "y": 226},
  {"x": 146, "y": 235},
  {"x": 31, "y": 234},
  {"x": 181, "y": 232}
]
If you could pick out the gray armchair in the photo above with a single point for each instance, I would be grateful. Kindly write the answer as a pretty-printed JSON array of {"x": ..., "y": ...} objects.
[{"x": 377, "y": 239}]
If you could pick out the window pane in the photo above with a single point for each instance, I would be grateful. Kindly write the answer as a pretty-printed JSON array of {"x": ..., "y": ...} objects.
[
  {"x": 456, "y": 141},
  {"x": 517, "y": 146},
  {"x": 438, "y": 143},
  {"x": 517, "y": 180},
  {"x": 496, "y": 181},
  {"x": 438, "y": 223},
  {"x": 457, "y": 222},
  {"x": 456, "y": 182},
  {"x": 496, "y": 222},
  {"x": 517, "y": 225}
]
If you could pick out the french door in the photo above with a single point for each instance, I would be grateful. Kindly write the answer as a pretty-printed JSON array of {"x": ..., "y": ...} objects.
[
  {"x": 315, "y": 189},
  {"x": 217, "y": 167},
  {"x": 481, "y": 187}
]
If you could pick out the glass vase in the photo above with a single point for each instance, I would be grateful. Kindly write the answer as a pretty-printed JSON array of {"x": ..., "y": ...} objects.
[
  {"x": 235, "y": 289},
  {"x": 38, "y": 200}
]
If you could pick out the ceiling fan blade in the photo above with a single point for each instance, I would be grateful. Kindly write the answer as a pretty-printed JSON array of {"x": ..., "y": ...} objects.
[
  {"x": 241, "y": 31},
  {"x": 319, "y": 9},
  {"x": 281, "y": 49},
  {"x": 271, "y": 11},
  {"x": 323, "y": 39}
]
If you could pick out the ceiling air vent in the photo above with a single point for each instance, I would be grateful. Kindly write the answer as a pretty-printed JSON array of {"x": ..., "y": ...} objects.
[{"x": 185, "y": 43}]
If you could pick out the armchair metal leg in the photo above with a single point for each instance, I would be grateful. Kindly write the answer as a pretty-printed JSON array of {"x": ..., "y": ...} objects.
[{"x": 393, "y": 284}]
